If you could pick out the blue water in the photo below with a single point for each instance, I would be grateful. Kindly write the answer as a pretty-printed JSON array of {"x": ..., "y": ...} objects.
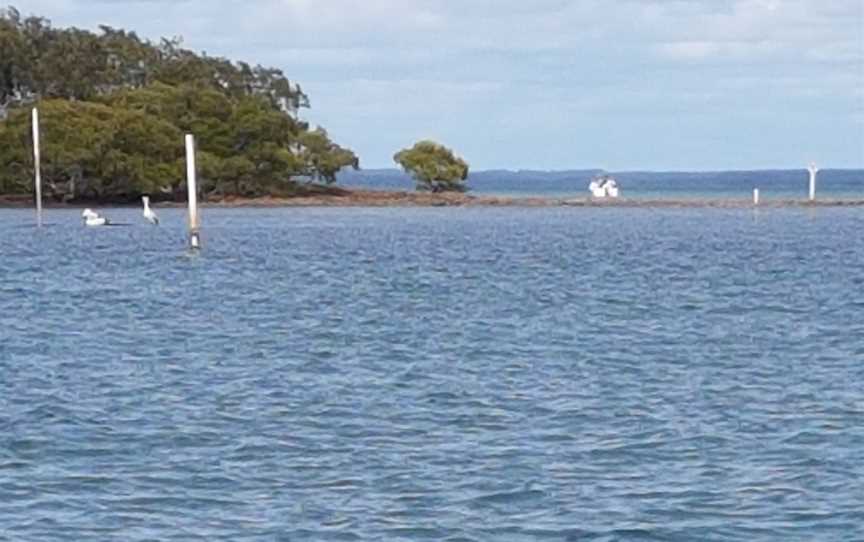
[
  {"x": 559, "y": 374},
  {"x": 772, "y": 184}
]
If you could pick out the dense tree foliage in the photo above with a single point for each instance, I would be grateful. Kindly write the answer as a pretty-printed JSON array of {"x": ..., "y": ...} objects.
[
  {"x": 114, "y": 109},
  {"x": 434, "y": 167}
]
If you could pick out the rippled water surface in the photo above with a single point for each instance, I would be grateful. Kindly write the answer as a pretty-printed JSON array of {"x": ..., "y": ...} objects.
[{"x": 434, "y": 374}]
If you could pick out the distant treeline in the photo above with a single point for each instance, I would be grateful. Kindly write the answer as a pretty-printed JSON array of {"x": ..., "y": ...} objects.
[
  {"x": 538, "y": 182},
  {"x": 114, "y": 108}
]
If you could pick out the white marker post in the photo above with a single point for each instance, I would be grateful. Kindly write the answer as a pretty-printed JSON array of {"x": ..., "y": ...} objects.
[
  {"x": 813, "y": 171},
  {"x": 37, "y": 167},
  {"x": 192, "y": 186},
  {"x": 755, "y": 196}
]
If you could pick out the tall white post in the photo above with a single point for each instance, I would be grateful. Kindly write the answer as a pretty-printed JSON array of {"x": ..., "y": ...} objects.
[
  {"x": 813, "y": 171},
  {"x": 755, "y": 196},
  {"x": 37, "y": 167},
  {"x": 192, "y": 187}
]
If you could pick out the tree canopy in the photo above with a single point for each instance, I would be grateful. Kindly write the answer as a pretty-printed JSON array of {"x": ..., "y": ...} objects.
[
  {"x": 114, "y": 109},
  {"x": 434, "y": 167}
]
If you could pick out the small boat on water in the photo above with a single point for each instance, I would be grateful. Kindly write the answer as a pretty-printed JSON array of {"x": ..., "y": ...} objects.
[{"x": 603, "y": 187}]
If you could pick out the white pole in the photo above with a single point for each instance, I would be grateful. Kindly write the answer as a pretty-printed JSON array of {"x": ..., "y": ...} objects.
[
  {"x": 37, "y": 166},
  {"x": 813, "y": 171},
  {"x": 755, "y": 196},
  {"x": 192, "y": 187}
]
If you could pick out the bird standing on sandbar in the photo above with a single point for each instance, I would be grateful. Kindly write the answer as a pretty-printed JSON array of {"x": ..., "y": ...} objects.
[{"x": 148, "y": 212}]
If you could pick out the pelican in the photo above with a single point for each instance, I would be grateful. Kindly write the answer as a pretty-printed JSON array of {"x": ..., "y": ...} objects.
[
  {"x": 91, "y": 218},
  {"x": 604, "y": 187},
  {"x": 597, "y": 190},
  {"x": 148, "y": 212}
]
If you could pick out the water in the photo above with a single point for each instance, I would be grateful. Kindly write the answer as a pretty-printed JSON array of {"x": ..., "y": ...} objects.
[
  {"x": 434, "y": 374},
  {"x": 772, "y": 184}
]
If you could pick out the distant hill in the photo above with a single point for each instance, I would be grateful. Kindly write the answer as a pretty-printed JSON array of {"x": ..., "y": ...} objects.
[
  {"x": 792, "y": 181},
  {"x": 786, "y": 181},
  {"x": 495, "y": 180}
]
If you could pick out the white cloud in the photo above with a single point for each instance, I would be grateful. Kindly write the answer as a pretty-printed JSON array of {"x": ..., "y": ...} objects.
[{"x": 544, "y": 65}]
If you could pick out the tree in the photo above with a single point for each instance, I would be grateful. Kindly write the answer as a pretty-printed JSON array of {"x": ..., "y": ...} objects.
[
  {"x": 434, "y": 167},
  {"x": 322, "y": 159},
  {"x": 91, "y": 151},
  {"x": 115, "y": 107},
  {"x": 39, "y": 61}
]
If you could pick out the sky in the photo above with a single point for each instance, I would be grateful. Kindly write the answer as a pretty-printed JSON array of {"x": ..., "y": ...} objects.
[{"x": 546, "y": 84}]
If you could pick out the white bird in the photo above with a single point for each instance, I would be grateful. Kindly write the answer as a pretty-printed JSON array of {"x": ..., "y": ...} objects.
[
  {"x": 148, "y": 212},
  {"x": 597, "y": 190},
  {"x": 92, "y": 218}
]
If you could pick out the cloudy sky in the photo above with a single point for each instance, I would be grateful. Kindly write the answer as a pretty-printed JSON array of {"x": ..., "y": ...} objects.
[{"x": 550, "y": 84}]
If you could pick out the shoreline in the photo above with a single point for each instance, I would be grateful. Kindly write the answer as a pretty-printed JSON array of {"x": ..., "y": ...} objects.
[{"x": 376, "y": 198}]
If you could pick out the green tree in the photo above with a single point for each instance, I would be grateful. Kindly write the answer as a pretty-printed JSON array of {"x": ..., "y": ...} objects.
[
  {"x": 321, "y": 158},
  {"x": 434, "y": 167},
  {"x": 92, "y": 151},
  {"x": 115, "y": 107}
]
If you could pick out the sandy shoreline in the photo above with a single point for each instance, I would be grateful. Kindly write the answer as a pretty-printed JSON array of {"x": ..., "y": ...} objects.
[{"x": 372, "y": 198}]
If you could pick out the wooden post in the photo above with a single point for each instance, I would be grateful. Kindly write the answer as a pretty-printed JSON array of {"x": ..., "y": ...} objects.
[
  {"x": 192, "y": 187},
  {"x": 37, "y": 167}
]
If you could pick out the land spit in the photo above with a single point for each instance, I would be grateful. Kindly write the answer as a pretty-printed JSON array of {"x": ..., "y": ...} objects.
[
  {"x": 372, "y": 198},
  {"x": 378, "y": 198}
]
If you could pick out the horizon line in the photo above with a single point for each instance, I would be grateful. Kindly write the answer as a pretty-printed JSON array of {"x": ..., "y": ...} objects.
[{"x": 581, "y": 170}]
